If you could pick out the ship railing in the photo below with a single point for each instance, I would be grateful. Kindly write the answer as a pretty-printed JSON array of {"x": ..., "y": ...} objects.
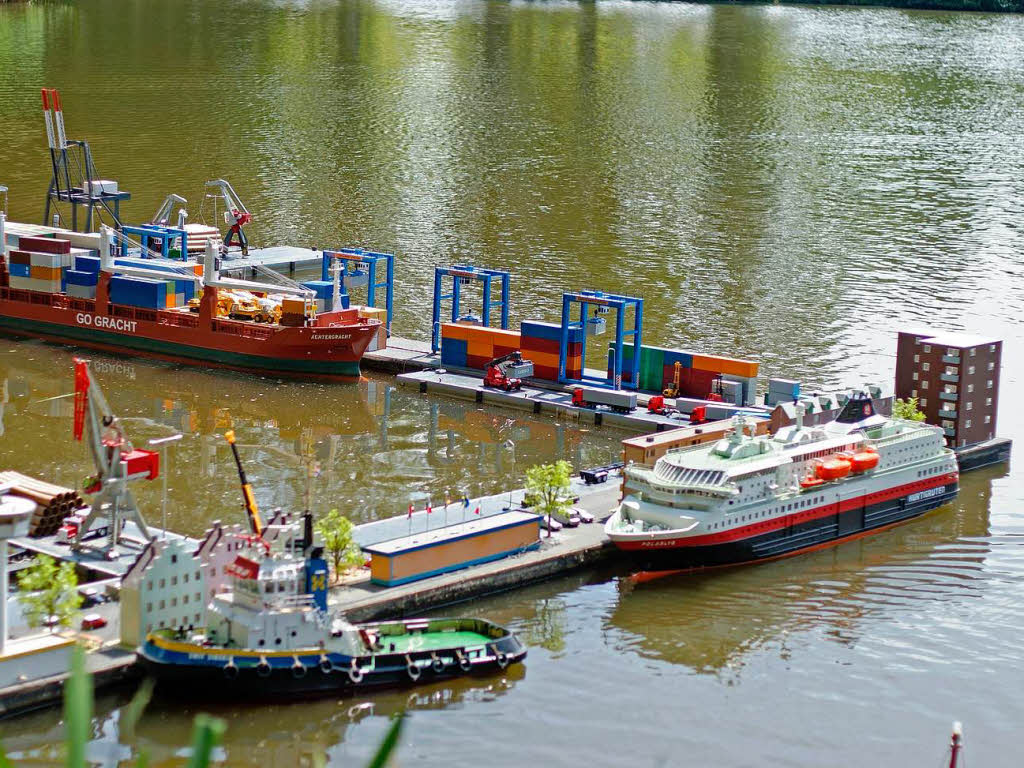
[
  {"x": 179, "y": 319},
  {"x": 293, "y": 601},
  {"x": 646, "y": 475},
  {"x": 82, "y": 305},
  {"x": 247, "y": 330},
  {"x": 688, "y": 448}
]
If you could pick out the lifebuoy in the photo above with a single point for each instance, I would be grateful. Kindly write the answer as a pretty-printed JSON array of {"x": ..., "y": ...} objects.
[
  {"x": 263, "y": 668},
  {"x": 438, "y": 665},
  {"x": 355, "y": 675},
  {"x": 298, "y": 670},
  {"x": 411, "y": 669},
  {"x": 465, "y": 664},
  {"x": 325, "y": 665},
  {"x": 499, "y": 657},
  {"x": 230, "y": 670}
]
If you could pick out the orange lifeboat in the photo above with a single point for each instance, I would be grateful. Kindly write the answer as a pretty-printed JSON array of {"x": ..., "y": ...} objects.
[
  {"x": 864, "y": 460},
  {"x": 811, "y": 482},
  {"x": 833, "y": 469}
]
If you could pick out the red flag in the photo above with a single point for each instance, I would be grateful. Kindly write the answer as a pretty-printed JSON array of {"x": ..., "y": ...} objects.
[
  {"x": 410, "y": 510},
  {"x": 476, "y": 511},
  {"x": 81, "y": 396},
  {"x": 428, "y": 507}
]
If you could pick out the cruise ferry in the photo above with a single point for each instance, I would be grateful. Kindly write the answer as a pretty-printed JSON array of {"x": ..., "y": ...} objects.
[{"x": 749, "y": 498}]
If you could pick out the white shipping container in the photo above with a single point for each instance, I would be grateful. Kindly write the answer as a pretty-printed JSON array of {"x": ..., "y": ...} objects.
[
  {"x": 35, "y": 284},
  {"x": 82, "y": 291},
  {"x": 51, "y": 260}
]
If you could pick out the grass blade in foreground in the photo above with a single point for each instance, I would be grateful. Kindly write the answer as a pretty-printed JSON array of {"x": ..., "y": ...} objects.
[
  {"x": 206, "y": 735},
  {"x": 388, "y": 745},
  {"x": 77, "y": 710}
]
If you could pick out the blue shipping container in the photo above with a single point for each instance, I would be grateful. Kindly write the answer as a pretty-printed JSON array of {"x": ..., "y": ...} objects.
[
  {"x": 20, "y": 270},
  {"x": 549, "y": 331},
  {"x": 454, "y": 352},
  {"x": 80, "y": 277},
  {"x": 324, "y": 289},
  {"x": 87, "y": 263},
  {"x": 138, "y": 292}
]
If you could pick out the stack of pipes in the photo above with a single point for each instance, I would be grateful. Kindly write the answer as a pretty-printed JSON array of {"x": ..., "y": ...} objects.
[{"x": 53, "y": 503}]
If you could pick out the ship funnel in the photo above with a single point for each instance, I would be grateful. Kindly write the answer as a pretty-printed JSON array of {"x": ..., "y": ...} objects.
[{"x": 800, "y": 410}]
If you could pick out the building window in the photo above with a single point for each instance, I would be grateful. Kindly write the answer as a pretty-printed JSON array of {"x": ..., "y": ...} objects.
[
  {"x": 924, "y": 385},
  {"x": 967, "y": 424},
  {"x": 990, "y": 384},
  {"x": 915, "y": 376},
  {"x": 149, "y": 607},
  {"x": 174, "y": 558},
  {"x": 988, "y": 419},
  {"x": 174, "y": 602},
  {"x": 973, "y": 350},
  {"x": 174, "y": 581},
  {"x": 197, "y": 596},
  {"x": 970, "y": 405},
  {"x": 991, "y": 365},
  {"x": 927, "y": 347},
  {"x": 970, "y": 387},
  {"x": 185, "y": 579},
  {"x": 161, "y": 605},
  {"x": 991, "y": 347},
  {"x": 988, "y": 401},
  {"x": 925, "y": 366},
  {"x": 162, "y": 583},
  {"x": 917, "y": 358},
  {"x": 184, "y": 600},
  {"x": 197, "y": 575},
  {"x": 924, "y": 402},
  {"x": 149, "y": 586}
]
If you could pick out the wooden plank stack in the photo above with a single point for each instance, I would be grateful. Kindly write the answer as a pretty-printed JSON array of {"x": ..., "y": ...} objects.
[{"x": 53, "y": 503}]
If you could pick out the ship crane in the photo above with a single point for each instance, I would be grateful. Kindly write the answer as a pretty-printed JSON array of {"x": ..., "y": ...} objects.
[
  {"x": 163, "y": 215},
  {"x": 117, "y": 463},
  {"x": 251, "y": 510},
  {"x": 236, "y": 215}
]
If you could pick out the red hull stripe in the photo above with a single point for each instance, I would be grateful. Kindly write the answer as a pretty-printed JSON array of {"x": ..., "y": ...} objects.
[{"x": 778, "y": 523}]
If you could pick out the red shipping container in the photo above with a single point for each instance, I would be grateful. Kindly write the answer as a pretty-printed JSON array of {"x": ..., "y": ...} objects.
[
  {"x": 142, "y": 461},
  {"x": 694, "y": 383},
  {"x": 20, "y": 257},
  {"x": 545, "y": 372},
  {"x": 502, "y": 351},
  {"x": 551, "y": 346},
  {"x": 44, "y": 244},
  {"x": 477, "y": 361}
]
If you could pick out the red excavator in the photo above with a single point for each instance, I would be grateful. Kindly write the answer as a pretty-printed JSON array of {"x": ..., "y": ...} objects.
[{"x": 507, "y": 372}]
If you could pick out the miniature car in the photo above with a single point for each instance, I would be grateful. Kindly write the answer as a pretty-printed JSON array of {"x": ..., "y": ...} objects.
[
  {"x": 92, "y": 596},
  {"x": 583, "y": 515},
  {"x": 550, "y": 524},
  {"x": 93, "y": 621},
  {"x": 570, "y": 519}
]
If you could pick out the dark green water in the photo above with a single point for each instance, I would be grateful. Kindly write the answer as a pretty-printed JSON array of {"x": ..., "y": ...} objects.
[{"x": 789, "y": 184}]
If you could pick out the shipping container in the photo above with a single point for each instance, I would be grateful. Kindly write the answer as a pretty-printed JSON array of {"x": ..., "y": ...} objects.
[
  {"x": 138, "y": 292},
  {"x": 453, "y": 352},
  {"x": 44, "y": 244}
]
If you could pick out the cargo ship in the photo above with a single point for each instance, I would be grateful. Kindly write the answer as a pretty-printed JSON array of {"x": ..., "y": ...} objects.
[
  {"x": 50, "y": 290},
  {"x": 751, "y": 498}
]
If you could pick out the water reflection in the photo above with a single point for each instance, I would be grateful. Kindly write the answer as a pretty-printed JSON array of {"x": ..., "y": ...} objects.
[
  {"x": 278, "y": 734},
  {"x": 711, "y": 622},
  {"x": 366, "y": 448}
]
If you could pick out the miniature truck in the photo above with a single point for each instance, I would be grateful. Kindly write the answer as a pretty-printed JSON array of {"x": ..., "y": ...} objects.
[{"x": 616, "y": 399}]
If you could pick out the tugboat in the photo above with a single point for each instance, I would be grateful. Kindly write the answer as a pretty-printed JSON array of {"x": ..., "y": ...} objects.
[
  {"x": 270, "y": 634},
  {"x": 746, "y": 498}
]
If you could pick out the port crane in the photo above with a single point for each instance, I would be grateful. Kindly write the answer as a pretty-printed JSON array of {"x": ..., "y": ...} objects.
[
  {"x": 162, "y": 217},
  {"x": 236, "y": 215},
  {"x": 507, "y": 372},
  {"x": 117, "y": 462}
]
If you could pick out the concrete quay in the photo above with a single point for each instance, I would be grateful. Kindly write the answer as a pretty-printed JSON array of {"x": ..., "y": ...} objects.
[{"x": 560, "y": 553}]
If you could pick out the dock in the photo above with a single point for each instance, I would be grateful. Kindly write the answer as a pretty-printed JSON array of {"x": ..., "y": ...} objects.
[
  {"x": 277, "y": 257},
  {"x": 416, "y": 367},
  {"x": 562, "y": 552}
]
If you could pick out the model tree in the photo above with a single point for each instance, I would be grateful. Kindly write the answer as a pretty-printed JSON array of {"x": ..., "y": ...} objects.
[
  {"x": 335, "y": 531},
  {"x": 907, "y": 409},
  {"x": 548, "y": 486},
  {"x": 46, "y": 589}
]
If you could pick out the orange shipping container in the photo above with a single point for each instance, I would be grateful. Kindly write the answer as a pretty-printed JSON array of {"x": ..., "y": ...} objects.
[
  {"x": 743, "y": 368},
  {"x": 548, "y": 360},
  {"x": 292, "y": 306},
  {"x": 45, "y": 273},
  {"x": 480, "y": 348},
  {"x": 494, "y": 335},
  {"x": 455, "y": 331}
]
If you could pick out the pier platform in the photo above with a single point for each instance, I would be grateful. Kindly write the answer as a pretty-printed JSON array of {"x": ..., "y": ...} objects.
[
  {"x": 560, "y": 553},
  {"x": 277, "y": 257}
]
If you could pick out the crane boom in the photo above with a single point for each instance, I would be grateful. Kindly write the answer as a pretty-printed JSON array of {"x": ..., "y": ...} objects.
[{"x": 255, "y": 524}]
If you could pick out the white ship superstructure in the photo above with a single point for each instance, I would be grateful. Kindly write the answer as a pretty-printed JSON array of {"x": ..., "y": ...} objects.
[{"x": 750, "y": 498}]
